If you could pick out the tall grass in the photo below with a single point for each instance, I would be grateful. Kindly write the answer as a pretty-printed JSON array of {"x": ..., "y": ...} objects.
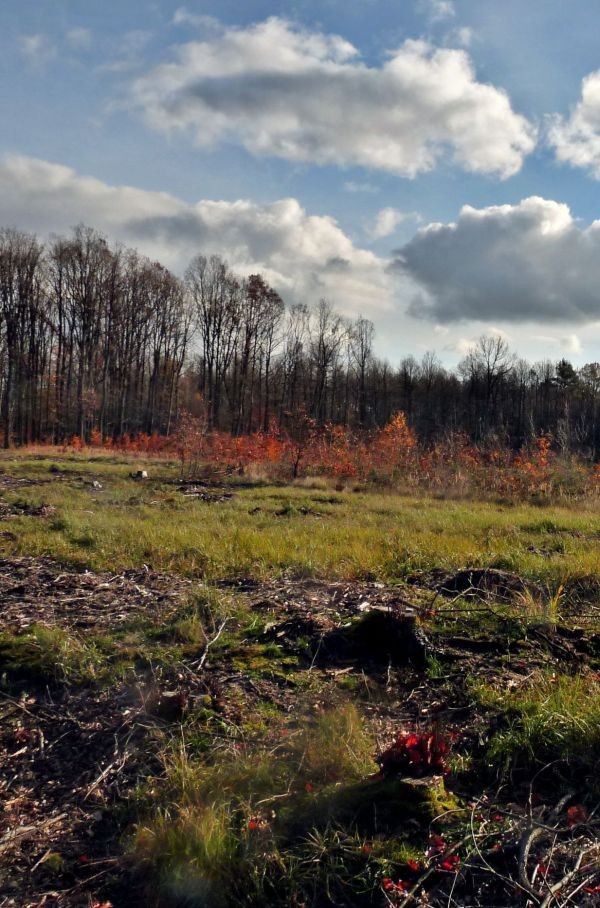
[
  {"x": 224, "y": 827},
  {"x": 548, "y": 718}
]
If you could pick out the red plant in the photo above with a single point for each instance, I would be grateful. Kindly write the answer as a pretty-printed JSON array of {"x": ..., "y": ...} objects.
[
  {"x": 450, "y": 863},
  {"x": 390, "y": 886},
  {"x": 577, "y": 814},
  {"x": 415, "y": 755},
  {"x": 258, "y": 824},
  {"x": 389, "y": 455}
]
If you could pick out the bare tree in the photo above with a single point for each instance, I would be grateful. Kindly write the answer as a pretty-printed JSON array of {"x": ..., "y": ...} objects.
[
  {"x": 21, "y": 294},
  {"x": 216, "y": 296},
  {"x": 327, "y": 334},
  {"x": 361, "y": 336}
]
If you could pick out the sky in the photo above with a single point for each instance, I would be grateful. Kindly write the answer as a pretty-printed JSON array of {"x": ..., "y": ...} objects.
[{"x": 433, "y": 165}]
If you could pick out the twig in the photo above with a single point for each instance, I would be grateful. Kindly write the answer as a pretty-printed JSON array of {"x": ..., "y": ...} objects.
[
  {"x": 556, "y": 887},
  {"x": 530, "y": 834},
  {"x": 9, "y": 837},
  {"x": 105, "y": 772},
  {"x": 506, "y": 880},
  {"x": 213, "y": 640},
  {"x": 317, "y": 651}
]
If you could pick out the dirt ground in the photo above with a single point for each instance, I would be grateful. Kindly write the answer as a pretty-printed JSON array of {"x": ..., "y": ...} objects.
[{"x": 73, "y": 754}]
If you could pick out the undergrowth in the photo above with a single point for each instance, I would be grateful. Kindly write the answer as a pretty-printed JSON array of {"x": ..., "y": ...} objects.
[
  {"x": 43, "y": 654},
  {"x": 549, "y": 718},
  {"x": 303, "y": 821}
]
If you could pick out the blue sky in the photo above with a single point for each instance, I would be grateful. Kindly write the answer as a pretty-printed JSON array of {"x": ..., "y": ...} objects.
[{"x": 339, "y": 133}]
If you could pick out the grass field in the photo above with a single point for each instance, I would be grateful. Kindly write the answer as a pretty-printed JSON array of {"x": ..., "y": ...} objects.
[
  {"x": 295, "y": 531},
  {"x": 237, "y": 693}
]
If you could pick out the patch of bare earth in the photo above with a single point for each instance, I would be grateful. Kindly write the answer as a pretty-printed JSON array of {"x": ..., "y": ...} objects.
[{"x": 69, "y": 755}]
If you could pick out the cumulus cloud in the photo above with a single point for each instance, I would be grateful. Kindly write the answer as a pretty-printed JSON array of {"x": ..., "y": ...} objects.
[
  {"x": 509, "y": 263},
  {"x": 281, "y": 90},
  {"x": 386, "y": 221},
  {"x": 353, "y": 186},
  {"x": 437, "y": 10},
  {"x": 127, "y": 54},
  {"x": 304, "y": 256},
  {"x": 442, "y": 9},
  {"x": 463, "y": 346},
  {"x": 576, "y": 138},
  {"x": 462, "y": 35},
  {"x": 570, "y": 343}
]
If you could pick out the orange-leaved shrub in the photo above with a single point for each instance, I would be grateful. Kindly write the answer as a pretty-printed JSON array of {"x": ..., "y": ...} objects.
[{"x": 390, "y": 456}]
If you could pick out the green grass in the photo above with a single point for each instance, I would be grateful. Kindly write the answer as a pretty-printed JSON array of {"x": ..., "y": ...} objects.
[
  {"x": 262, "y": 531},
  {"x": 296, "y": 822},
  {"x": 549, "y": 718},
  {"x": 45, "y": 654}
]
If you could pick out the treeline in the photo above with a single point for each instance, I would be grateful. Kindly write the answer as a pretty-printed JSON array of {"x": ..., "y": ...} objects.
[
  {"x": 95, "y": 338},
  {"x": 91, "y": 337}
]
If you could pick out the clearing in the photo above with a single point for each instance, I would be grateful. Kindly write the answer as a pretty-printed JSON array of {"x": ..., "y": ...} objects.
[{"x": 245, "y": 694}]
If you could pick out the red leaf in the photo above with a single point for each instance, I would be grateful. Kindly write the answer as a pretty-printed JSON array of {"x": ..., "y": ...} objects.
[
  {"x": 576, "y": 814},
  {"x": 450, "y": 863}
]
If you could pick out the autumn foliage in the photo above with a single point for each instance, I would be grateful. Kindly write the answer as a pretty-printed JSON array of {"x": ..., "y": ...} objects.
[
  {"x": 390, "y": 456},
  {"x": 415, "y": 755}
]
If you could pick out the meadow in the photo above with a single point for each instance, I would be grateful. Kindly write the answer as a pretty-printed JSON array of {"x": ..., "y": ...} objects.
[
  {"x": 231, "y": 690},
  {"x": 302, "y": 529}
]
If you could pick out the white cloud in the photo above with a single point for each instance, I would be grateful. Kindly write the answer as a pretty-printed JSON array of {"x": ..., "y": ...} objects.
[
  {"x": 437, "y": 10},
  {"x": 80, "y": 38},
  {"x": 128, "y": 51},
  {"x": 353, "y": 186},
  {"x": 37, "y": 49},
  {"x": 183, "y": 16},
  {"x": 509, "y": 263},
  {"x": 463, "y": 36},
  {"x": 386, "y": 221},
  {"x": 304, "y": 256},
  {"x": 576, "y": 139},
  {"x": 281, "y": 90},
  {"x": 571, "y": 343},
  {"x": 494, "y": 331},
  {"x": 463, "y": 346}
]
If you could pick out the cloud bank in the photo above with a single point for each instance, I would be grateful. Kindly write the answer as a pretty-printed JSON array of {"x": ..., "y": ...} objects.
[
  {"x": 510, "y": 263},
  {"x": 281, "y": 90},
  {"x": 304, "y": 256}
]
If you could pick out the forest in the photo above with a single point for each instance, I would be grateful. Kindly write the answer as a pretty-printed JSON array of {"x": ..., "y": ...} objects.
[{"x": 97, "y": 341}]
